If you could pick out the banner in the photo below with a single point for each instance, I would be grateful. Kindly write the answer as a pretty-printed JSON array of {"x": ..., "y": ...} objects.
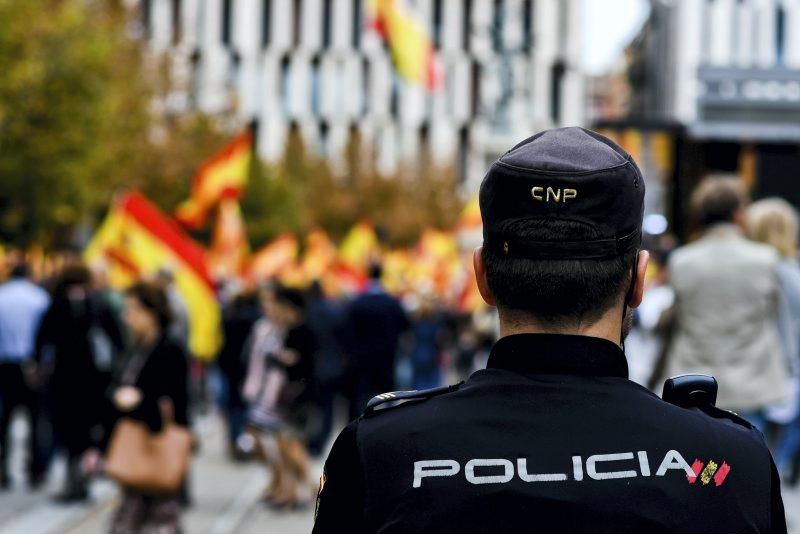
[
  {"x": 225, "y": 175},
  {"x": 136, "y": 241}
]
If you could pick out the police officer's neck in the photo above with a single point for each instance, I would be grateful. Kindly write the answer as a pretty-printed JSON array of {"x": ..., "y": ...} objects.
[{"x": 608, "y": 326}]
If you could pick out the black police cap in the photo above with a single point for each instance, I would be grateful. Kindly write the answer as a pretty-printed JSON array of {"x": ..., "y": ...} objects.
[{"x": 569, "y": 174}]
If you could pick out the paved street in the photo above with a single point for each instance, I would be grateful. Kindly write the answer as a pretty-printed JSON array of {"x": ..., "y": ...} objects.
[{"x": 226, "y": 500}]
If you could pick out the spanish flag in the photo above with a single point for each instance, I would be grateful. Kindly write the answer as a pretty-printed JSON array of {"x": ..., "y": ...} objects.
[
  {"x": 223, "y": 176},
  {"x": 359, "y": 247},
  {"x": 274, "y": 258},
  {"x": 229, "y": 246},
  {"x": 412, "y": 50},
  {"x": 135, "y": 241}
]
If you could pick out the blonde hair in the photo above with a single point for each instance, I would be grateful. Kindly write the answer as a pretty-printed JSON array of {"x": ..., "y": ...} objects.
[{"x": 774, "y": 221}]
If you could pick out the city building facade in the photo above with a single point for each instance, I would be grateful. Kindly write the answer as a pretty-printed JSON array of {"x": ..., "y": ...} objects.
[
  {"x": 510, "y": 68},
  {"x": 722, "y": 77}
]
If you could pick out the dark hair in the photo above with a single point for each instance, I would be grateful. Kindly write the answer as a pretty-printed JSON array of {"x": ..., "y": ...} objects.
[
  {"x": 716, "y": 199},
  {"x": 290, "y": 296},
  {"x": 375, "y": 271},
  {"x": 154, "y": 299},
  {"x": 71, "y": 275},
  {"x": 556, "y": 292},
  {"x": 20, "y": 270}
]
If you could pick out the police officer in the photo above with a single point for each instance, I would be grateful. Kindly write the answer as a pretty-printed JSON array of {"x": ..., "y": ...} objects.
[{"x": 552, "y": 436}]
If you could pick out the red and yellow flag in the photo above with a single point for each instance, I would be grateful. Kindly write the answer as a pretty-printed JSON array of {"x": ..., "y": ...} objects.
[
  {"x": 229, "y": 247},
  {"x": 274, "y": 257},
  {"x": 412, "y": 49},
  {"x": 223, "y": 176},
  {"x": 135, "y": 241},
  {"x": 319, "y": 256},
  {"x": 359, "y": 247}
]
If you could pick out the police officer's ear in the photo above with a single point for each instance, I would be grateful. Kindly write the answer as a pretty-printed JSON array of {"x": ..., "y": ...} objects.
[
  {"x": 480, "y": 276},
  {"x": 637, "y": 291}
]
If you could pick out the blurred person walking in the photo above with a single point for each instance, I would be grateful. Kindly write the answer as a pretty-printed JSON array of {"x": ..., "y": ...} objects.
[
  {"x": 286, "y": 346},
  {"x": 324, "y": 319},
  {"x": 727, "y": 292},
  {"x": 774, "y": 222},
  {"x": 374, "y": 323},
  {"x": 22, "y": 304},
  {"x": 240, "y": 316},
  {"x": 427, "y": 343},
  {"x": 157, "y": 371},
  {"x": 67, "y": 352}
]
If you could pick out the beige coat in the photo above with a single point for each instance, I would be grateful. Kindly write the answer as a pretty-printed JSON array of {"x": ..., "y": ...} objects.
[{"x": 727, "y": 295}]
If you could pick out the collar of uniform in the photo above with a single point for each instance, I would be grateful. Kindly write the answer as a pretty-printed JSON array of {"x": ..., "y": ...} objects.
[{"x": 558, "y": 354}]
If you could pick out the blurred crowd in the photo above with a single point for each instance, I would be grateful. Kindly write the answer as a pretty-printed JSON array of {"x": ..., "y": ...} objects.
[
  {"x": 76, "y": 357},
  {"x": 727, "y": 304}
]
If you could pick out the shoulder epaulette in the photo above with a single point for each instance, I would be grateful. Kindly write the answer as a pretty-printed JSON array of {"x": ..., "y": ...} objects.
[
  {"x": 399, "y": 397},
  {"x": 719, "y": 413}
]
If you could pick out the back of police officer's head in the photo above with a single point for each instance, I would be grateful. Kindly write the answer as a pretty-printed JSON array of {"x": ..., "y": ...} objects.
[{"x": 562, "y": 215}]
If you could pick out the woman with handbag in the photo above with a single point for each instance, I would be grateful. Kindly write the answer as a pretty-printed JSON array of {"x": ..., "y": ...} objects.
[{"x": 151, "y": 443}]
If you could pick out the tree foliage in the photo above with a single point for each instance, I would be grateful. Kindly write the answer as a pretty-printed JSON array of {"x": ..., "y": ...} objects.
[{"x": 78, "y": 124}]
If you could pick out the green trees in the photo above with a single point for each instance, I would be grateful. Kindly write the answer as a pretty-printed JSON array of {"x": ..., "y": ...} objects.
[
  {"x": 77, "y": 125},
  {"x": 75, "y": 120}
]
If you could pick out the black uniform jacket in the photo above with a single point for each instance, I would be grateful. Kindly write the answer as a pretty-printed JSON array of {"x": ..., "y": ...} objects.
[{"x": 551, "y": 437}]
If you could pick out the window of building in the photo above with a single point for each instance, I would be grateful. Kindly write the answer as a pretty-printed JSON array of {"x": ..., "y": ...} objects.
[
  {"x": 780, "y": 33},
  {"x": 327, "y": 16},
  {"x": 394, "y": 99},
  {"x": 145, "y": 13},
  {"x": 315, "y": 85},
  {"x": 466, "y": 25},
  {"x": 357, "y": 23},
  {"x": 297, "y": 26},
  {"x": 556, "y": 83},
  {"x": 227, "y": 21},
  {"x": 177, "y": 34},
  {"x": 437, "y": 24},
  {"x": 498, "y": 22},
  {"x": 285, "y": 84},
  {"x": 475, "y": 93},
  {"x": 463, "y": 153},
  {"x": 366, "y": 85},
  {"x": 527, "y": 25},
  {"x": 266, "y": 23}
]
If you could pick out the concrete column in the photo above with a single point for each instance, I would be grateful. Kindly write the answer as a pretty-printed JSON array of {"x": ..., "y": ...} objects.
[
  {"x": 387, "y": 157},
  {"x": 190, "y": 23},
  {"x": 513, "y": 33},
  {"x": 299, "y": 90},
  {"x": 246, "y": 38},
  {"x": 350, "y": 89},
  {"x": 745, "y": 35},
  {"x": 721, "y": 27},
  {"x": 311, "y": 22},
  {"x": 460, "y": 88},
  {"x": 452, "y": 25},
  {"x": 688, "y": 43},
  {"x": 282, "y": 22},
  {"x": 160, "y": 25},
  {"x": 443, "y": 140},
  {"x": 381, "y": 87},
  {"x": 481, "y": 25},
  {"x": 212, "y": 94},
  {"x": 544, "y": 54},
  {"x": 765, "y": 33},
  {"x": 341, "y": 25},
  {"x": 792, "y": 33}
]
